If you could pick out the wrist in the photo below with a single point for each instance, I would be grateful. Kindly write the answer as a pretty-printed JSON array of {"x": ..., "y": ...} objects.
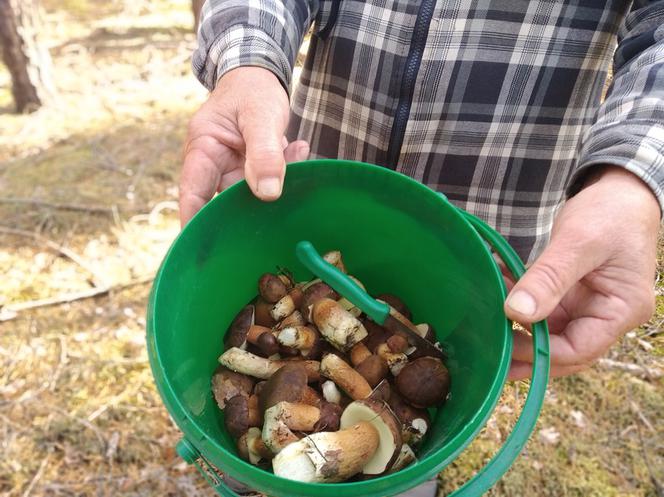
[{"x": 627, "y": 188}]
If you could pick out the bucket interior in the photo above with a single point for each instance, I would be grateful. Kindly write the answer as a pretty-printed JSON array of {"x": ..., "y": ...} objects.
[{"x": 396, "y": 236}]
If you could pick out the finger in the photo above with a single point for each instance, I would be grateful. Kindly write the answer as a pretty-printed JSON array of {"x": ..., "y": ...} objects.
[
  {"x": 265, "y": 165},
  {"x": 296, "y": 151},
  {"x": 201, "y": 174},
  {"x": 520, "y": 370},
  {"x": 583, "y": 341},
  {"x": 540, "y": 290}
]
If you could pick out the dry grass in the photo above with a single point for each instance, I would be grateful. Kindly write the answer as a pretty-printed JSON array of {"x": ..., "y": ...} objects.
[{"x": 79, "y": 414}]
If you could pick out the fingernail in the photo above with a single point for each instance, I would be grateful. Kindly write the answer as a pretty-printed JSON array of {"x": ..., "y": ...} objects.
[
  {"x": 269, "y": 187},
  {"x": 522, "y": 302}
]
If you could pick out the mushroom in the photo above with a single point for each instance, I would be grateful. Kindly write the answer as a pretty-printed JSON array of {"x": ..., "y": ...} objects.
[
  {"x": 251, "y": 448},
  {"x": 334, "y": 257},
  {"x": 284, "y": 418},
  {"x": 244, "y": 362},
  {"x": 395, "y": 361},
  {"x": 241, "y": 413},
  {"x": 271, "y": 288},
  {"x": 262, "y": 337},
  {"x": 295, "y": 319},
  {"x": 338, "y": 326},
  {"x": 381, "y": 392},
  {"x": 286, "y": 384},
  {"x": 263, "y": 316},
  {"x": 302, "y": 338},
  {"x": 313, "y": 294},
  {"x": 330, "y": 392},
  {"x": 227, "y": 384},
  {"x": 405, "y": 458},
  {"x": 236, "y": 335},
  {"x": 341, "y": 373},
  {"x": 330, "y": 415},
  {"x": 396, "y": 303},
  {"x": 328, "y": 457},
  {"x": 359, "y": 353},
  {"x": 376, "y": 335},
  {"x": 424, "y": 382},
  {"x": 388, "y": 428},
  {"x": 374, "y": 369},
  {"x": 287, "y": 305},
  {"x": 397, "y": 344},
  {"x": 415, "y": 421}
]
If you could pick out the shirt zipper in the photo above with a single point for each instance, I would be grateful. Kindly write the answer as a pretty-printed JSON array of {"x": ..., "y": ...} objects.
[{"x": 412, "y": 67}]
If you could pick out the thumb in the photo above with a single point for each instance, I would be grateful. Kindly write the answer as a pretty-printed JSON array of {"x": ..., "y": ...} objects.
[
  {"x": 265, "y": 165},
  {"x": 564, "y": 262}
]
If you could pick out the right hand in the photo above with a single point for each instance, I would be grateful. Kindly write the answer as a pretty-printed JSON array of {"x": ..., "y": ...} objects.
[{"x": 238, "y": 133}]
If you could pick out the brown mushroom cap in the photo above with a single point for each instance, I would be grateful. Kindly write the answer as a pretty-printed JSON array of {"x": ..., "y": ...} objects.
[
  {"x": 240, "y": 415},
  {"x": 329, "y": 417},
  {"x": 377, "y": 335},
  {"x": 397, "y": 344},
  {"x": 227, "y": 384},
  {"x": 396, "y": 303},
  {"x": 271, "y": 288},
  {"x": 268, "y": 344},
  {"x": 374, "y": 369},
  {"x": 315, "y": 292},
  {"x": 236, "y": 335},
  {"x": 287, "y": 384},
  {"x": 407, "y": 414},
  {"x": 263, "y": 316},
  {"x": 424, "y": 382}
]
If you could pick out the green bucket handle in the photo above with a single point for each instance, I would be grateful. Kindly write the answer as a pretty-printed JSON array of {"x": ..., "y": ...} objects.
[{"x": 378, "y": 311}]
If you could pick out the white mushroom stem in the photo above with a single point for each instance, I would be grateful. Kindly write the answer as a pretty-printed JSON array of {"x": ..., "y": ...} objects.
[
  {"x": 337, "y": 325},
  {"x": 341, "y": 373},
  {"x": 328, "y": 457},
  {"x": 299, "y": 337},
  {"x": 405, "y": 458},
  {"x": 395, "y": 361},
  {"x": 295, "y": 319},
  {"x": 330, "y": 392},
  {"x": 415, "y": 431},
  {"x": 247, "y": 363},
  {"x": 255, "y": 448},
  {"x": 287, "y": 305},
  {"x": 282, "y": 419}
]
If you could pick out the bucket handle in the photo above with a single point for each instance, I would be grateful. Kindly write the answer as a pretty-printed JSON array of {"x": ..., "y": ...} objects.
[{"x": 378, "y": 311}]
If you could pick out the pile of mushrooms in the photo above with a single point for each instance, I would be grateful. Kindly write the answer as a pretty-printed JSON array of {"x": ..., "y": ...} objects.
[{"x": 315, "y": 390}]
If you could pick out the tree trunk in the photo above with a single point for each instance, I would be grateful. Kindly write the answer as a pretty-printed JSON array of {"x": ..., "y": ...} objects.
[
  {"x": 28, "y": 62},
  {"x": 196, "y": 6}
]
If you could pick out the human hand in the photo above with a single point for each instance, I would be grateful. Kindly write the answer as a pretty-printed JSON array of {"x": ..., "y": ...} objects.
[
  {"x": 238, "y": 133},
  {"x": 595, "y": 280}
]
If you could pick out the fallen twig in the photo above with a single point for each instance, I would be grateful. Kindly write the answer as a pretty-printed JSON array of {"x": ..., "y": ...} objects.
[
  {"x": 98, "y": 280},
  {"x": 11, "y": 311},
  {"x": 636, "y": 369},
  {"x": 97, "y": 209},
  {"x": 37, "y": 476}
]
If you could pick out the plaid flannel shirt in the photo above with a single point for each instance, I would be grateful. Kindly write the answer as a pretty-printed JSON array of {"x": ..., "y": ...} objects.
[{"x": 496, "y": 103}]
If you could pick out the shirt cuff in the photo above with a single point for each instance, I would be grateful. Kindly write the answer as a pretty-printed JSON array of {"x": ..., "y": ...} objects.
[
  {"x": 641, "y": 153},
  {"x": 240, "y": 46}
]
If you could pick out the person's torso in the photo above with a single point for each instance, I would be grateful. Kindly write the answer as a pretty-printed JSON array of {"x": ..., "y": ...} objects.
[{"x": 485, "y": 101}]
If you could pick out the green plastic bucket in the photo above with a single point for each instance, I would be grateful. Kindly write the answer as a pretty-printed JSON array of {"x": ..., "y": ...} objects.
[{"x": 397, "y": 236}]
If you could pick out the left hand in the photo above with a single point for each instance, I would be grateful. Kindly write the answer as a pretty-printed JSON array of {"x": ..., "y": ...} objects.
[{"x": 595, "y": 280}]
